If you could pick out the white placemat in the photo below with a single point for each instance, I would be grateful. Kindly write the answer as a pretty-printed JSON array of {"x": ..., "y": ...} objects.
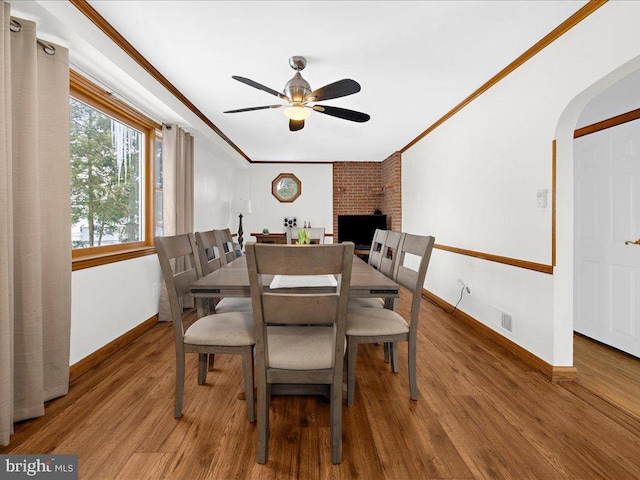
[{"x": 293, "y": 281}]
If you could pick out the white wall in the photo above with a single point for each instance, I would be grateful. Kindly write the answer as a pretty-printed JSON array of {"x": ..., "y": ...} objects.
[
  {"x": 213, "y": 189},
  {"x": 314, "y": 205},
  {"x": 109, "y": 300},
  {"x": 472, "y": 182},
  {"x": 622, "y": 97}
]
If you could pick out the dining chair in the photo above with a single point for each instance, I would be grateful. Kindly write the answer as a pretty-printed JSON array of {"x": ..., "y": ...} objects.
[
  {"x": 230, "y": 333},
  {"x": 375, "y": 252},
  {"x": 390, "y": 250},
  {"x": 316, "y": 234},
  {"x": 229, "y": 250},
  {"x": 210, "y": 261},
  {"x": 388, "y": 254},
  {"x": 381, "y": 325},
  {"x": 300, "y": 335}
]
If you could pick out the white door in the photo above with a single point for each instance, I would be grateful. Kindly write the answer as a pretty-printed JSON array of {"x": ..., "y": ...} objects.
[{"x": 607, "y": 272}]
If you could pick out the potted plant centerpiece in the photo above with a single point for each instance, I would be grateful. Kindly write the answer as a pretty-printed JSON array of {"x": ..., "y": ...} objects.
[{"x": 303, "y": 237}]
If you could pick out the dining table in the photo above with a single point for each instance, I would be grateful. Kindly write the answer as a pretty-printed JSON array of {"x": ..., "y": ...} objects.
[{"x": 232, "y": 280}]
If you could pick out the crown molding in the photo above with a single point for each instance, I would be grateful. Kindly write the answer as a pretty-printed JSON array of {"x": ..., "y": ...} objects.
[
  {"x": 99, "y": 21},
  {"x": 552, "y": 36}
]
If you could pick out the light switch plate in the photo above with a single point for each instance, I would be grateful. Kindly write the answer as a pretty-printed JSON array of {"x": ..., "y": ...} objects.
[{"x": 542, "y": 197}]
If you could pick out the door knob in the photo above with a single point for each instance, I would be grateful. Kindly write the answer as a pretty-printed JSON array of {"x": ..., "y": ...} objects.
[{"x": 629, "y": 242}]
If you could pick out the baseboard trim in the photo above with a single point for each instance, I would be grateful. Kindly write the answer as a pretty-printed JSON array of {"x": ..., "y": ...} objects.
[
  {"x": 554, "y": 373},
  {"x": 564, "y": 374},
  {"x": 90, "y": 361}
]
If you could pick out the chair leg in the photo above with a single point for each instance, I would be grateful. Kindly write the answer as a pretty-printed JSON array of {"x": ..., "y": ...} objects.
[
  {"x": 352, "y": 356},
  {"x": 263, "y": 422},
  {"x": 393, "y": 354},
  {"x": 247, "y": 371},
  {"x": 202, "y": 368},
  {"x": 413, "y": 379},
  {"x": 210, "y": 361},
  {"x": 179, "y": 384},
  {"x": 336, "y": 423},
  {"x": 387, "y": 355}
]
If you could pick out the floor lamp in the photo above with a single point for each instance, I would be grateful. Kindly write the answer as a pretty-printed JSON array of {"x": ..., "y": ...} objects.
[{"x": 240, "y": 206}]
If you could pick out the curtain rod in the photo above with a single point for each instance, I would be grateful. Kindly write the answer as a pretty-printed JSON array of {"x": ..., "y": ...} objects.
[
  {"x": 110, "y": 91},
  {"x": 49, "y": 49}
]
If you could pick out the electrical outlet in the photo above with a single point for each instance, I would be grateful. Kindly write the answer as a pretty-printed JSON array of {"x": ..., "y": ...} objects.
[{"x": 467, "y": 286}]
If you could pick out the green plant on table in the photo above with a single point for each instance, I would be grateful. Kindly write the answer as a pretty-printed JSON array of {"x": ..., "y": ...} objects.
[{"x": 303, "y": 237}]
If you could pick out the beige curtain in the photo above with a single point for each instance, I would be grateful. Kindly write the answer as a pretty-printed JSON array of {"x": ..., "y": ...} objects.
[
  {"x": 35, "y": 243},
  {"x": 177, "y": 191}
]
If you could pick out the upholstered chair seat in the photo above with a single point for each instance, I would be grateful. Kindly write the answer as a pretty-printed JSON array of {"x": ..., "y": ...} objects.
[
  {"x": 300, "y": 348},
  {"x": 229, "y": 329},
  {"x": 234, "y": 304},
  {"x": 375, "y": 322}
]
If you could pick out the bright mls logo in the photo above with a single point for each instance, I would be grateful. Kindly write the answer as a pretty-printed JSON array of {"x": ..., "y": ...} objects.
[{"x": 53, "y": 467}]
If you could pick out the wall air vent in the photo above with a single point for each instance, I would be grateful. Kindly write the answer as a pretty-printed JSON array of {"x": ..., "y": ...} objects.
[
  {"x": 506, "y": 322},
  {"x": 502, "y": 320}
]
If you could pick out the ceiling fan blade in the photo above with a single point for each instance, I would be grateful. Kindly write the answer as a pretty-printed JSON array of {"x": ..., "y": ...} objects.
[
  {"x": 259, "y": 86},
  {"x": 252, "y": 108},
  {"x": 341, "y": 88},
  {"x": 343, "y": 113},
  {"x": 295, "y": 125}
]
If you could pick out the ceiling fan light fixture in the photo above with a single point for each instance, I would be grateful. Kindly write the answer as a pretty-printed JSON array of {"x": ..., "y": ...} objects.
[
  {"x": 300, "y": 99},
  {"x": 296, "y": 112}
]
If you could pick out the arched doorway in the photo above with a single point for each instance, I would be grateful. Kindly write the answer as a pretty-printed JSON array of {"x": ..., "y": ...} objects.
[
  {"x": 607, "y": 217},
  {"x": 565, "y": 204},
  {"x": 566, "y": 280}
]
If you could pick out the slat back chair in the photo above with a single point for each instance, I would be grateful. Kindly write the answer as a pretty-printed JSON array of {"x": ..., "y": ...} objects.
[
  {"x": 226, "y": 246},
  {"x": 381, "y": 325},
  {"x": 300, "y": 335},
  {"x": 208, "y": 251},
  {"x": 316, "y": 234},
  {"x": 230, "y": 333},
  {"x": 387, "y": 256},
  {"x": 210, "y": 261},
  {"x": 390, "y": 253},
  {"x": 375, "y": 254}
]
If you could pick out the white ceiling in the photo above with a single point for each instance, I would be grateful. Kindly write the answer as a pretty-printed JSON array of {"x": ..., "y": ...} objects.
[{"x": 415, "y": 61}]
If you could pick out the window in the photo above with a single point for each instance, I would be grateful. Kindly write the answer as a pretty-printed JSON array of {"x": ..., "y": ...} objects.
[
  {"x": 116, "y": 177},
  {"x": 157, "y": 175}
]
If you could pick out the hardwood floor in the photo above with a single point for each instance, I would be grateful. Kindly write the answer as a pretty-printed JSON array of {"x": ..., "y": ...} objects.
[
  {"x": 610, "y": 373},
  {"x": 481, "y": 414}
]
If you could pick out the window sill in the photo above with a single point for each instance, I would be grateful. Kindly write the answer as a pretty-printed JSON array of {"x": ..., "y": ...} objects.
[{"x": 89, "y": 261}]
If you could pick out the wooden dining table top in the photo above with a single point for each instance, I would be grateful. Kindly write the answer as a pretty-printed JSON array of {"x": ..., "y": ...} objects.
[{"x": 232, "y": 280}]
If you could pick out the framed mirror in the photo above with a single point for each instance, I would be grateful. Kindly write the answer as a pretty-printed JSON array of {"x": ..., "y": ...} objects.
[{"x": 286, "y": 187}]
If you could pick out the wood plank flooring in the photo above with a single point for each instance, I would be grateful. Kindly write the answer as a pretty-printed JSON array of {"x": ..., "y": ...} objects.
[
  {"x": 482, "y": 414},
  {"x": 612, "y": 374}
]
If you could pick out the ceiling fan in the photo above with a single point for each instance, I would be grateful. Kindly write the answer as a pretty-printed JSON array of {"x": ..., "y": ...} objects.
[{"x": 301, "y": 100}]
